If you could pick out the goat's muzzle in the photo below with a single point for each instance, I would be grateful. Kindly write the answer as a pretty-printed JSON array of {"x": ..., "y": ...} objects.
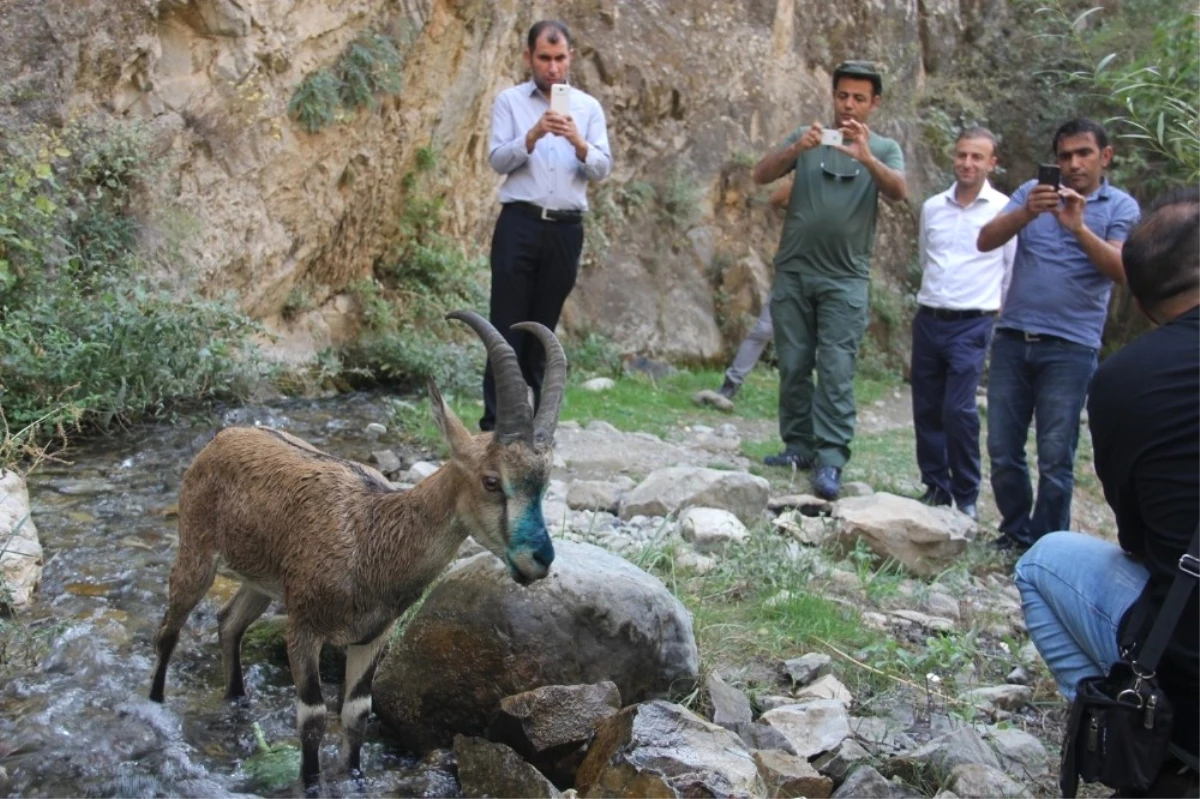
[{"x": 528, "y": 564}]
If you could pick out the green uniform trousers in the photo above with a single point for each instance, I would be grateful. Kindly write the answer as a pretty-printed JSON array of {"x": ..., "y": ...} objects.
[{"x": 819, "y": 322}]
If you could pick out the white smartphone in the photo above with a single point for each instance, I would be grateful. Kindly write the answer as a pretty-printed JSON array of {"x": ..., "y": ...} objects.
[
  {"x": 831, "y": 137},
  {"x": 560, "y": 99}
]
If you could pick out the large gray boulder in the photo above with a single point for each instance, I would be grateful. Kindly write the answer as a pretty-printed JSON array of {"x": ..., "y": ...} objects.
[
  {"x": 20, "y": 550},
  {"x": 481, "y": 637}
]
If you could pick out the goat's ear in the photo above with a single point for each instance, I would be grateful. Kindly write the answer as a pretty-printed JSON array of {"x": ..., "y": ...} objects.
[{"x": 451, "y": 428}]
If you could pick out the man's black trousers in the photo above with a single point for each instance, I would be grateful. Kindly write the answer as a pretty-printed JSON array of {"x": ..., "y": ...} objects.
[{"x": 534, "y": 265}]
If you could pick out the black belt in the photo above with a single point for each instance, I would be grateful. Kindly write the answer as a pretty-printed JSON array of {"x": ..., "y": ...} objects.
[
  {"x": 545, "y": 214},
  {"x": 1026, "y": 336},
  {"x": 950, "y": 315}
]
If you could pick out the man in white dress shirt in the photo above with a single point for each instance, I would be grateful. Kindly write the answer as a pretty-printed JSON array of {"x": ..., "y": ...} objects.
[
  {"x": 961, "y": 291},
  {"x": 547, "y": 159}
]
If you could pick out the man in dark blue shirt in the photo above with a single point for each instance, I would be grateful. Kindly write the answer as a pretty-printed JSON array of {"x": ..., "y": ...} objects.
[
  {"x": 1069, "y": 240},
  {"x": 1078, "y": 591}
]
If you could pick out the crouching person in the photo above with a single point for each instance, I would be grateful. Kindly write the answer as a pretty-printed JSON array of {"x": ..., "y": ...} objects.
[{"x": 1083, "y": 597}]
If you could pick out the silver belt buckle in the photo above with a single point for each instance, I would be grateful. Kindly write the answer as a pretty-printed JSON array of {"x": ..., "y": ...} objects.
[
  {"x": 546, "y": 215},
  {"x": 1188, "y": 564},
  {"x": 1031, "y": 337}
]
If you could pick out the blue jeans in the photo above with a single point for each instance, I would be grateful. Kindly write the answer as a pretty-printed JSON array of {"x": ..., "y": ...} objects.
[
  {"x": 947, "y": 362},
  {"x": 1047, "y": 378},
  {"x": 1075, "y": 589}
]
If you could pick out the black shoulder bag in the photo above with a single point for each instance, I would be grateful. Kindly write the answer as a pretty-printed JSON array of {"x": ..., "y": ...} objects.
[{"x": 1120, "y": 726}]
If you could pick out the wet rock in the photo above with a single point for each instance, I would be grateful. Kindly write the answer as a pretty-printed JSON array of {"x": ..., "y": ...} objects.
[
  {"x": 925, "y": 540},
  {"x": 493, "y": 769},
  {"x": 940, "y": 755},
  {"x": 844, "y": 758},
  {"x": 664, "y": 750},
  {"x": 711, "y": 529},
  {"x": 730, "y": 706},
  {"x": 480, "y": 637},
  {"x": 595, "y": 495},
  {"x": 811, "y": 728},
  {"x": 789, "y": 776},
  {"x": 807, "y": 668},
  {"x": 374, "y": 430},
  {"x": 864, "y": 783},
  {"x": 671, "y": 489},
  {"x": 971, "y": 781},
  {"x": 20, "y": 549},
  {"x": 553, "y": 720},
  {"x": 1020, "y": 753},
  {"x": 598, "y": 384}
]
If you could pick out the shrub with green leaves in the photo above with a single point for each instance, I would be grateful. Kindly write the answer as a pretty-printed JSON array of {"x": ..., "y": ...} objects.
[
  {"x": 406, "y": 339},
  {"x": 370, "y": 66},
  {"x": 87, "y": 337}
]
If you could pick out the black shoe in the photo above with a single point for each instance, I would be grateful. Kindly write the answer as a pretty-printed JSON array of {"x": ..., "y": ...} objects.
[
  {"x": 789, "y": 458},
  {"x": 827, "y": 482},
  {"x": 936, "y": 497},
  {"x": 729, "y": 388},
  {"x": 970, "y": 510}
]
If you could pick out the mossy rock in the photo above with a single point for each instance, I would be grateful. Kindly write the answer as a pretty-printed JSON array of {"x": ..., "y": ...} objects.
[{"x": 264, "y": 643}]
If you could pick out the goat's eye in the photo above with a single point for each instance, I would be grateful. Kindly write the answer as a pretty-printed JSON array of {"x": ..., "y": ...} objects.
[{"x": 491, "y": 482}]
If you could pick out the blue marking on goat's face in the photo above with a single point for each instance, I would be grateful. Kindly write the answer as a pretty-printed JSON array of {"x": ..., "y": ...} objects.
[{"x": 530, "y": 551}]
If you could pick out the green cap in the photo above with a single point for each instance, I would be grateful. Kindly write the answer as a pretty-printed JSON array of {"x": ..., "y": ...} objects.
[{"x": 859, "y": 69}]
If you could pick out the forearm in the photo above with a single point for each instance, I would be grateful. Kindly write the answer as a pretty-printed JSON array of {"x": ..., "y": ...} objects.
[
  {"x": 775, "y": 165},
  {"x": 891, "y": 182},
  {"x": 997, "y": 232},
  {"x": 1104, "y": 255},
  {"x": 509, "y": 155}
]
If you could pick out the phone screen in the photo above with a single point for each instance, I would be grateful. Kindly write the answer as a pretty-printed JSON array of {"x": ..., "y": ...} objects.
[{"x": 1049, "y": 174}]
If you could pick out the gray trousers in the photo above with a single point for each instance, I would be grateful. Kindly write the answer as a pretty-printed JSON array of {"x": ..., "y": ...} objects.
[{"x": 751, "y": 349}]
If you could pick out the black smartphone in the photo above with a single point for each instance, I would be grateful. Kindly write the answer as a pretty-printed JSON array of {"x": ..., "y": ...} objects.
[{"x": 1049, "y": 174}]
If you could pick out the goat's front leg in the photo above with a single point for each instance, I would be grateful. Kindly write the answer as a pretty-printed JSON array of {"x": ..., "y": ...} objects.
[
  {"x": 361, "y": 660},
  {"x": 304, "y": 652}
]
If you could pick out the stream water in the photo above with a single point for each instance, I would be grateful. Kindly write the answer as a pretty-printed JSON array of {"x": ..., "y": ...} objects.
[{"x": 79, "y": 723}]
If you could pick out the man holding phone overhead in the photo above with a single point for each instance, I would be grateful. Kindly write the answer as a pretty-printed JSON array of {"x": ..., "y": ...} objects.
[
  {"x": 1070, "y": 228},
  {"x": 819, "y": 296},
  {"x": 549, "y": 140}
]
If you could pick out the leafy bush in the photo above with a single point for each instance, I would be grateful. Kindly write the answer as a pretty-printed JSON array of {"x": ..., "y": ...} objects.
[
  {"x": 1140, "y": 65},
  {"x": 406, "y": 339},
  {"x": 371, "y": 65},
  {"x": 86, "y": 337}
]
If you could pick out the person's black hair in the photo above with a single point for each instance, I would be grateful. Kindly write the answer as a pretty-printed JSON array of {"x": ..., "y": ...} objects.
[
  {"x": 1076, "y": 127},
  {"x": 555, "y": 28},
  {"x": 859, "y": 70},
  {"x": 1162, "y": 254},
  {"x": 978, "y": 132}
]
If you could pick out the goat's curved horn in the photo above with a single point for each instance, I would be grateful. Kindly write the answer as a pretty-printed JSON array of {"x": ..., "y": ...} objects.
[
  {"x": 554, "y": 382},
  {"x": 514, "y": 416}
]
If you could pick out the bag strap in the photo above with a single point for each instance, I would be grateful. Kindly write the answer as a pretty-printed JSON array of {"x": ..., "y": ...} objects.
[{"x": 1172, "y": 609}]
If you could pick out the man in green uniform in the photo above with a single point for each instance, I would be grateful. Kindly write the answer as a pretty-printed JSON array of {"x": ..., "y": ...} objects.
[{"x": 819, "y": 298}]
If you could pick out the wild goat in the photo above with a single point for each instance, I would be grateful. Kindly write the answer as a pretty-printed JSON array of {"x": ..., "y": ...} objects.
[{"x": 344, "y": 550}]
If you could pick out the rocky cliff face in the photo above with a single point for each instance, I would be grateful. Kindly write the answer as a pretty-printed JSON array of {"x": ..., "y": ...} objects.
[{"x": 695, "y": 93}]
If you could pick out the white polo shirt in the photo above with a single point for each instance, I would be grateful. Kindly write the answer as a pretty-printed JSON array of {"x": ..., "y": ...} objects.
[{"x": 956, "y": 275}]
